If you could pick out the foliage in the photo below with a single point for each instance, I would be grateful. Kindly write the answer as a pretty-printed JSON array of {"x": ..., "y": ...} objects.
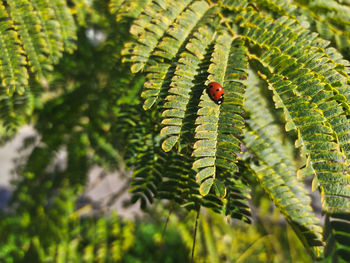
[
  {"x": 152, "y": 247},
  {"x": 222, "y": 240},
  {"x": 89, "y": 239},
  {"x": 182, "y": 48},
  {"x": 285, "y": 117},
  {"x": 34, "y": 35},
  {"x": 71, "y": 91},
  {"x": 330, "y": 19}
]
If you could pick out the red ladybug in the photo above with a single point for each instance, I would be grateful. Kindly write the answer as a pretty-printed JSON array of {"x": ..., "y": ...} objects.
[{"x": 216, "y": 92}]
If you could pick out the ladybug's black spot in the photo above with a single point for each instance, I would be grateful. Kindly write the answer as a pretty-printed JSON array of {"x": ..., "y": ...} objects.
[{"x": 217, "y": 89}]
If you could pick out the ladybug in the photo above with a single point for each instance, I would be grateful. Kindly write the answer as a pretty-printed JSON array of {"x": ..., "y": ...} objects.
[{"x": 216, "y": 92}]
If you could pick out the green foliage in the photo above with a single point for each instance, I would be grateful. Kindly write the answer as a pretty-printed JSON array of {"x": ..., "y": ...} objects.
[
  {"x": 330, "y": 19},
  {"x": 216, "y": 142},
  {"x": 322, "y": 128},
  {"x": 219, "y": 240},
  {"x": 44, "y": 199},
  {"x": 307, "y": 78},
  {"x": 276, "y": 171},
  {"x": 106, "y": 239},
  {"x": 186, "y": 148},
  {"x": 152, "y": 247},
  {"x": 34, "y": 35}
]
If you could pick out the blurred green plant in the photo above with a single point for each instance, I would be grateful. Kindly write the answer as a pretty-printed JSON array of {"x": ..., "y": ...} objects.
[{"x": 223, "y": 240}]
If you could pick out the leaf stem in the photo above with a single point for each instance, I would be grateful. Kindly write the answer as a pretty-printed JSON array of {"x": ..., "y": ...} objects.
[
  {"x": 166, "y": 222},
  {"x": 225, "y": 21},
  {"x": 194, "y": 235}
]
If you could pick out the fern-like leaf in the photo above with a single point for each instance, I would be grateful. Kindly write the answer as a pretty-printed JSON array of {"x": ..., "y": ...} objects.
[
  {"x": 298, "y": 84},
  {"x": 205, "y": 41},
  {"x": 167, "y": 48},
  {"x": 29, "y": 29},
  {"x": 179, "y": 94},
  {"x": 50, "y": 27},
  {"x": 161, "y": 14},
  {"x": 276, "y": 172},
  {"x": 238, "y": 193},
  {"x": 330, "y": 18},
  {"x": 219, "y": 126},
  {"x": 13, "y": 73},
  {"x": 127, "y": 8},
  {"x": 67, "y": 25}
]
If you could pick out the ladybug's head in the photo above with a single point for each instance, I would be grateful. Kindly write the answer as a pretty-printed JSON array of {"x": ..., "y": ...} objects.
[{"x": 221, "y": 100}]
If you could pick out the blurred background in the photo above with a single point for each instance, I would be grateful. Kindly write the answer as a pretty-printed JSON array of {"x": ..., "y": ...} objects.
[{"x": 102, "y": 225}]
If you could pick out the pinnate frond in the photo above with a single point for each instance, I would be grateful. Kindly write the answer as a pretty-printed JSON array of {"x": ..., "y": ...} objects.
[
  {"x": 168, "y": 46},
  {"x": 299, "y": 83},
  {"x": 13, "y": 73},
  {"x": 50, "y": 27},
  {"x": 67, "y": 24},
  {"x": 179, "y": 94},
  {"x": 205, "y": 41},
  {"x": 219, "y": 126},
  {"x": 29, "y": 29}
]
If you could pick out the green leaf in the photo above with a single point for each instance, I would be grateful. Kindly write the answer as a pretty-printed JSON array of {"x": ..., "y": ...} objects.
[
  {"x": 219, "y": 188},
  {"x": 206, "y": 186},
  {"x": 169, "y": 143},
  {"x": 204, "y": 174}
]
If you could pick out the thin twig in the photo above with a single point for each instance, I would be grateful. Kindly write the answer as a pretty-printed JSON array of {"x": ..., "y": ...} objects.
[
  {"x": 194, "y": 235},
  {"x": 166, "y": 222}
]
